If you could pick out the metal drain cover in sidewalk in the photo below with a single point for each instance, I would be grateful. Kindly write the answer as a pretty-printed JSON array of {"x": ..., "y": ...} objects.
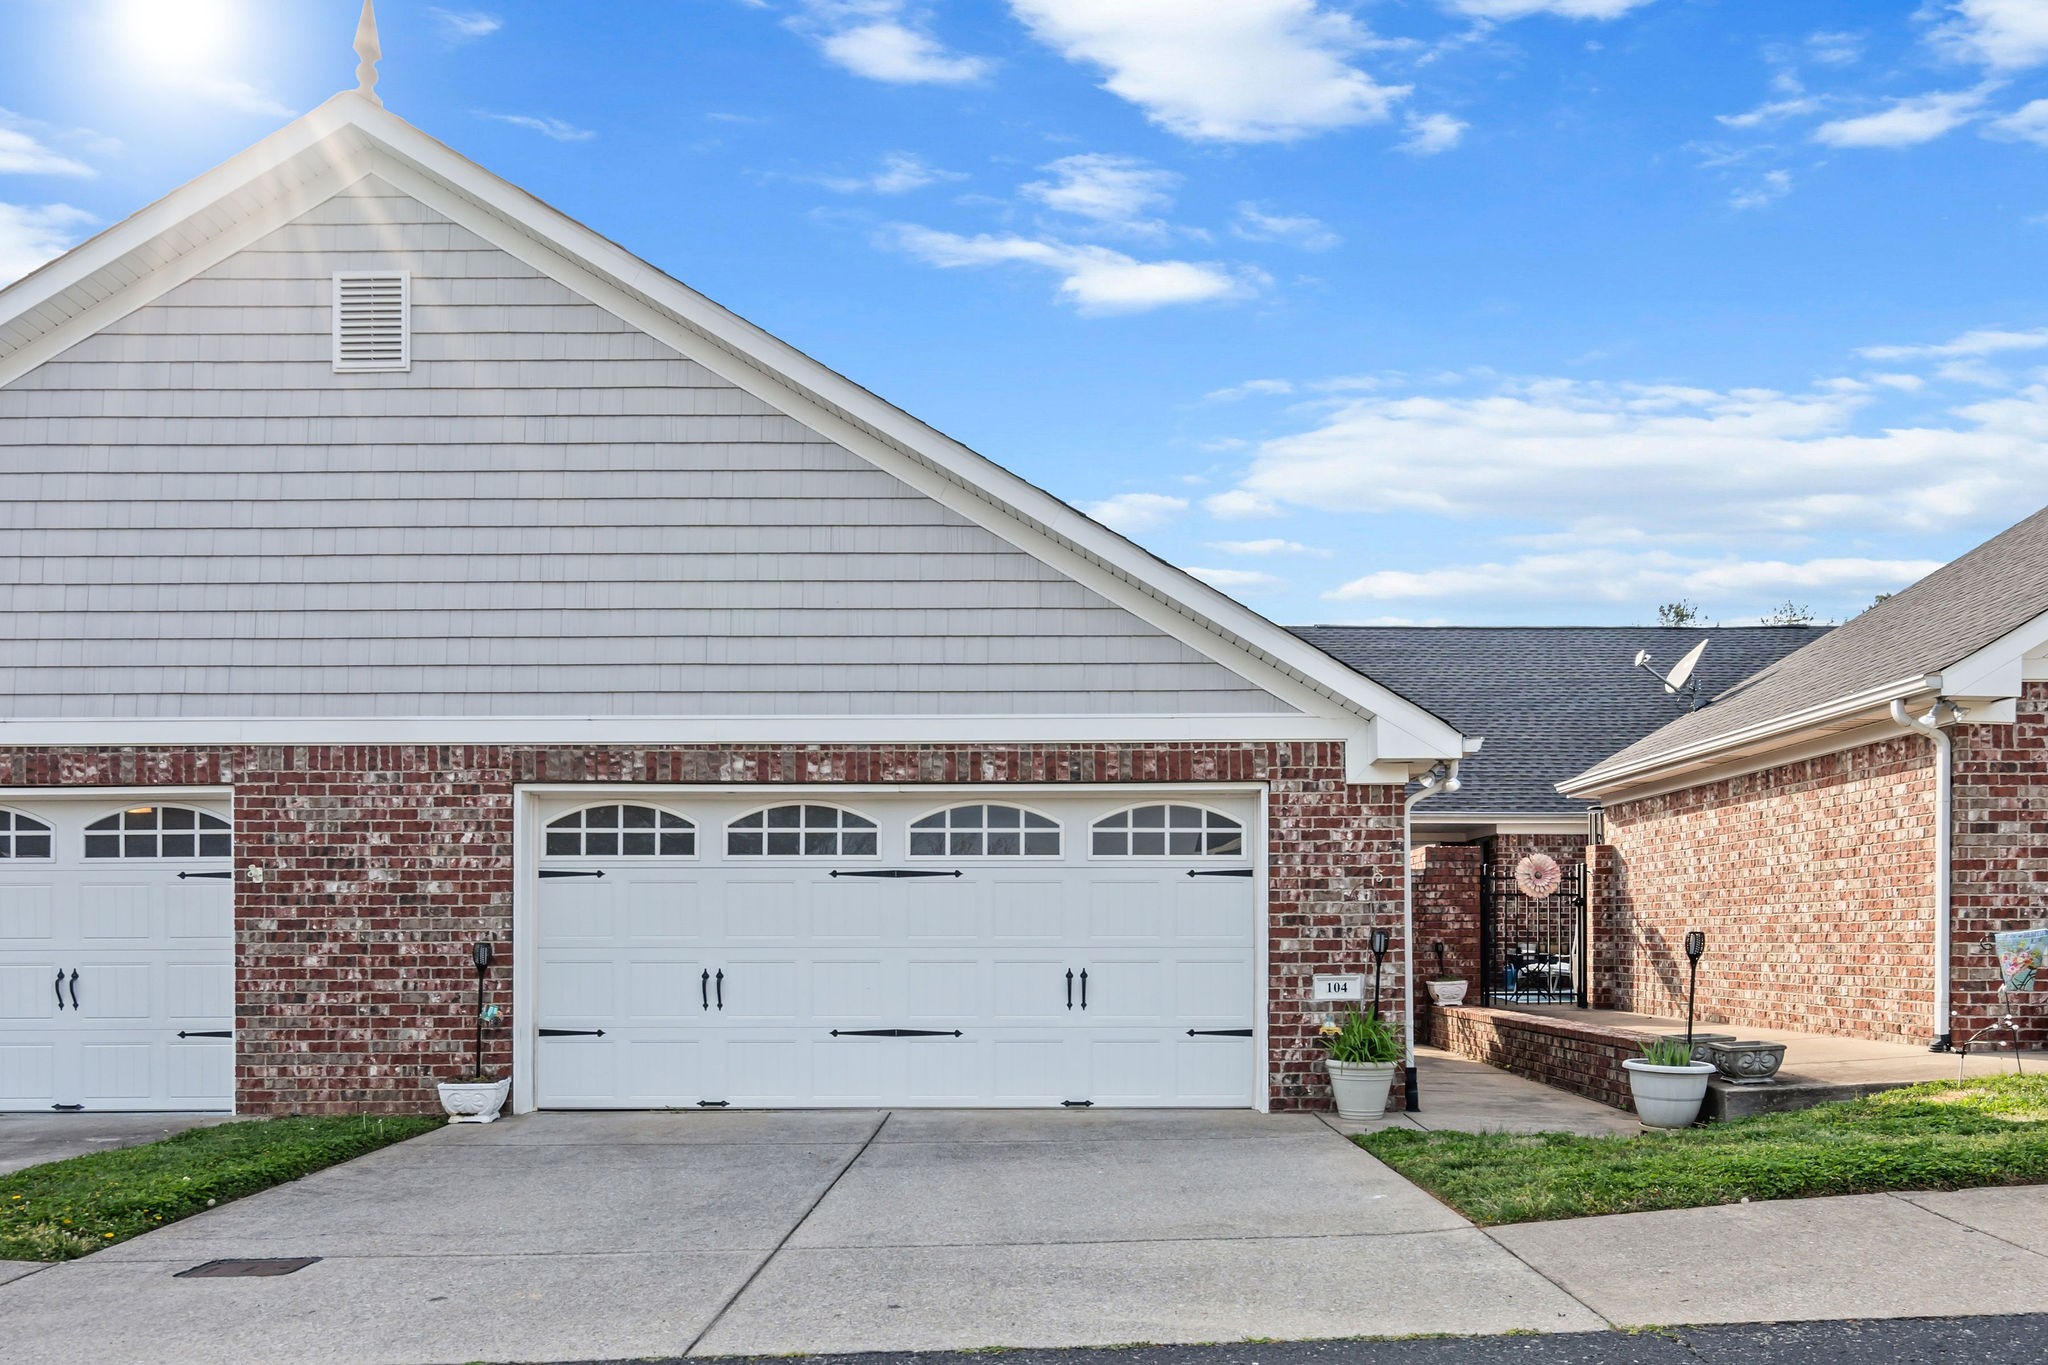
[{"x": 229, "y": 1270}]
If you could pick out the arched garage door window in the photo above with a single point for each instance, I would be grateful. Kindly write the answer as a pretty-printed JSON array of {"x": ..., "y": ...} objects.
[
  {"x": 159, "y": 832},
  {"x": 801, "y": 832},
  {"x": 621, "y": 831},
  {"x": 23, "y": 836},
  {"x": 985, "y": 832},
  {"x": 1168, "y": 831}
]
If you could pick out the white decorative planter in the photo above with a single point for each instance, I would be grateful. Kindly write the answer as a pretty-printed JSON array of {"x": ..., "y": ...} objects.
[
  {"x": 474, "y": 1101},
  {"x": 1448, "y": 992},
  {"x": 1360, "y": 1088},
  {"x": 1667, "y": 1096}
]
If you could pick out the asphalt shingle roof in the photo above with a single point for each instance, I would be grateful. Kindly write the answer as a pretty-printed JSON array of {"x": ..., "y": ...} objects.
[
  {"x": 1940, "y": 620},
  {"x": 1549, "y": 700}
]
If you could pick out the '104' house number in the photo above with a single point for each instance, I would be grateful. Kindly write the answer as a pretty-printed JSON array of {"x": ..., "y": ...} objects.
[{"x": 1340, "y": 988}]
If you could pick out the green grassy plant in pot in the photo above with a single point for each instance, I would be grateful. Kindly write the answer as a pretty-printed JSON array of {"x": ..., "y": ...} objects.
[
  {"x": 1363, "y": 1054},
  {"x": 1667, "y": 1084}
]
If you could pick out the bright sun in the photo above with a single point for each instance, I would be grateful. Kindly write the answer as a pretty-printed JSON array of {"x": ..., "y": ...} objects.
[{"x": 174, "y": 37}]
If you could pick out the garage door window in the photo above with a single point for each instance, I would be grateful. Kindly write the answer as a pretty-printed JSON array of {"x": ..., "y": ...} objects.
[
  {"x": 985, "y": 832},
  {"x": 159, "y": 832},
  {"x": 23, "y": 836},
  {"x": 801, "y": 832},
  {"x": 1168, "y": 832},
  {"x": 621, "y": 831}
]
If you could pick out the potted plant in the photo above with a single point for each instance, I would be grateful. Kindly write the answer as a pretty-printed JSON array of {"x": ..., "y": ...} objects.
[
  {"x": 1667, "y": 1085},
  {"x": 1446, "y": 987},
  {"x": 1363, "y": 1053}
]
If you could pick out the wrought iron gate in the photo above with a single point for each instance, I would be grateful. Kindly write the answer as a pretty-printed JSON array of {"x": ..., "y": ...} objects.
[{"x": 1532, "y": 949}]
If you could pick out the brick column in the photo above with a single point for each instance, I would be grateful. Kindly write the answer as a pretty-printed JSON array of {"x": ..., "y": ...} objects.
[{"x": 1447, "y": 911}]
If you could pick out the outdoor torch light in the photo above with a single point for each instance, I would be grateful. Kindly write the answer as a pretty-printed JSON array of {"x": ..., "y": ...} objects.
[
  {"x": 481, "y": 955},
  {"x": 1695, "y": 949},
  {"x": 1378, "y": 943}
]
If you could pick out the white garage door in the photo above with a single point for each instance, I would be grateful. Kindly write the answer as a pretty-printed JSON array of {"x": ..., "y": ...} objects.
[
  {"x": 890, "y": 952},
  {"x": 116, "y": 957}
]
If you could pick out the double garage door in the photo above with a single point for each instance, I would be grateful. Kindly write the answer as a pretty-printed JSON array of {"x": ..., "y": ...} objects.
[
  {"x": 116, "y": 957},
  {"x": 894, "y": 951}
]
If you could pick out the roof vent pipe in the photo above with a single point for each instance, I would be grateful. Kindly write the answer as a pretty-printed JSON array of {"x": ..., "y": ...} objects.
[
  {"x": 1944, "y": 857},
  {"x": 1444, "y": 778}
]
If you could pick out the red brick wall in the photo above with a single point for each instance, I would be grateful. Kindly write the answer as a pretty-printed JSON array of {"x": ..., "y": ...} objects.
[
  {"x": 1813, "y": 881},
  {"x": 1567, "y": 1053},
  {"x": 1447, "y": 911},
  {"x": 1512, "y": 848},
  {"x": 2001, "y": 858},
  {"x": 385, "y": 863}
]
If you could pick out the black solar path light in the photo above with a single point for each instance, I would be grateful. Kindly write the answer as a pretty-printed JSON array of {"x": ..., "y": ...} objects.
[
  {"x": 481, "y": 955},
  {"x": 1695, "y": 949},
  {"x": 1378, "y": 943}
]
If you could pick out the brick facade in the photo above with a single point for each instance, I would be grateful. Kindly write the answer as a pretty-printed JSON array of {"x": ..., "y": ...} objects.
[
  {"x": 2000, "y": 858},
  {"x": 1446, "y": 911},
  {"x": 383, "y": 865},
  {"x": 1567, "y": 849},
  {"x": 1813, "y": 882}
]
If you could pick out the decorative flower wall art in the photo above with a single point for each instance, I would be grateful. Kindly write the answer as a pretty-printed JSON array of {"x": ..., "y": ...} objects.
[{"x": 1538, "y": 875}]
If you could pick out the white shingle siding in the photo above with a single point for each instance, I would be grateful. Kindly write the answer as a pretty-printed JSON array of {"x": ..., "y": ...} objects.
[{"x": 550, "y": 513}]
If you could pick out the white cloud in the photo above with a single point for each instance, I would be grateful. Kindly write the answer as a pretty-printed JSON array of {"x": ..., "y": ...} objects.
[
  {"x": 1835, "y": 49},
  {"x": 1432, "y": 133},
  {"x": 1254, "y": 224},
  {"x": 31, "y": 235},
  {"x": 1251, "y": 388},
  {"x": 1773, "y": 112},
  {"x": 1113, "y": 192},
  {"x": 2028, "y": 123},
  {"x": 1129, "y": 512},
  {"x": 1747, "y": 461},
  {"x": 1238, "y": 504},
  {"x": 1094, "y": 279},
  {"x": 464, "y": 26},
  {"x": 1267, "y": 547},
  {"x": 1562, "y": 9},
  {"x": 1245, "y": 71},
  {"x": 1907, "y": 122},
  {"x": 899, "y": 173},
  {"x": 2003, "y": 34},
  {"x": 886, "y": 40},
  {"x": 22, "y": 154},
  {"x": 1982, "y": 341},
  {"x": 1635, "y": 576},
  {"x": 1241, "y": 580},
  {"x": 1905, "y": 383},
  {"x": 239, "y": 96},
  {"x": 1773, "y": 186},
  {"x": 555, "y": 128}
]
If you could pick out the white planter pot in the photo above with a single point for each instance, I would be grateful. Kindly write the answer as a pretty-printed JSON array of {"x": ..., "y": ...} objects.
[
  {"x": 1667, "y": 1096},
  {"x": 474, "y": 1101},
  {"x": 1448, "y": 992},
  {"x": 1360, "y": 1088}
]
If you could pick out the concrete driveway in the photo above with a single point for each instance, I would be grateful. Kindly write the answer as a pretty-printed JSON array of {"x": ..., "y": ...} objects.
[
  {"x": 32, "y": 1139},
  {"x": 561, "y": 1236}
]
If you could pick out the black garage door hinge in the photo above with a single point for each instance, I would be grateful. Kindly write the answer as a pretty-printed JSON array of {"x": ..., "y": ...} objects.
[
  {"x": 216, "y": 876},
  {"x": 550, "y": 873},
  {"x": 712, "y": 1104},
  {"x": 1077, "y": 1104},
  {"x": 571, "y": 1032},
  {"x": 897, "y": 1033},
  {"x": 1220, "y": 872},
  {"x": 1219, "y": 1033},
  {"x": 207, "y": 1033},
  {"x": 898, "y": 872}
]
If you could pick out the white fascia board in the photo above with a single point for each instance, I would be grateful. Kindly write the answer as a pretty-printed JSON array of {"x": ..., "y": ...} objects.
[
  {"x": 1507, "y": 822},
  {"x": 1999, "y": 669},
  {"x": 655, "y": 730},
  {"x": 1798, "y": 727},
  {"x": 839, "y": 409}
]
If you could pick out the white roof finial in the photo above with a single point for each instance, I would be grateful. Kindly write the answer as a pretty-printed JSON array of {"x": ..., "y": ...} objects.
[{"x": 368, "y": 52}]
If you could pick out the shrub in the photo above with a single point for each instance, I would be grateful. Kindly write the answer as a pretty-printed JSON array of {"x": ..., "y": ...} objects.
[{"x": 1361, "y": 1038}]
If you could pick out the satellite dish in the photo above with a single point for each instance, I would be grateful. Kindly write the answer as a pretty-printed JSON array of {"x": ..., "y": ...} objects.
[{"x": 1680, "y": 678}]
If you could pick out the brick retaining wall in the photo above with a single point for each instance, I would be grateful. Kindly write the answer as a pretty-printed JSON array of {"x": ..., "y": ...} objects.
[{"x": 1582, "y": 1058}]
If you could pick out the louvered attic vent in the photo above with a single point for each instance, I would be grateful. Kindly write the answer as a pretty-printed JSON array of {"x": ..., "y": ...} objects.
[{"x": 372, "y": 320}]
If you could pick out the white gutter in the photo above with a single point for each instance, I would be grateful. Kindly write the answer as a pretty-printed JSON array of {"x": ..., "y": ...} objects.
[
  {"x": 1442, "y": 778},
  {"x": 1944, "y": 856}
]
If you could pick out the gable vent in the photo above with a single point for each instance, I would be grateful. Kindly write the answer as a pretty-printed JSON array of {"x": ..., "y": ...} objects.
[{"x": 372, "y": 322}]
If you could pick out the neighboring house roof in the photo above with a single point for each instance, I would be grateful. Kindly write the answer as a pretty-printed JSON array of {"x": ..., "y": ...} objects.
[
  {"x": 1548, "y": 699},
  {"x": 1925, "y": 639},
  {"x": 349, "y": 141}
]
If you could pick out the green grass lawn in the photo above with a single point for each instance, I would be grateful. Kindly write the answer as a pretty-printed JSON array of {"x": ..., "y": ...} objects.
[
  {"x": 1947, "y": 1135},
  {"x": 63, "y": 1209}
]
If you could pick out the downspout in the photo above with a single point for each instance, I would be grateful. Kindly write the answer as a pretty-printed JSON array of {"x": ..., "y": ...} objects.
[
  {"x": 1443, "y": 777},
  {"x": 1944, "y": 856}
]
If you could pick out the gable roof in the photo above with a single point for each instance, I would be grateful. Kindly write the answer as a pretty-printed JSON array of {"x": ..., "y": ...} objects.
[
  {"x": 1900, "y": 648},
  {"x": 1549, "y": 699},
  {"x": 348, "y": 138}
]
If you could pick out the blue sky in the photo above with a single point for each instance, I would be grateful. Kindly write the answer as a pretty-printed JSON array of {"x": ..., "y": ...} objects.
[{"x": 1475, "y": 311}]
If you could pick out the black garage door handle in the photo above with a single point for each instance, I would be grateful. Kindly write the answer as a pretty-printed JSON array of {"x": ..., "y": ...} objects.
[
  {"x": 60, "y": 988},
  {"x": 74, "y": 988}
]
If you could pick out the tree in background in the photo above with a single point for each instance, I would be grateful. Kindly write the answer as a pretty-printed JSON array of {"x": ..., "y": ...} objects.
[
  {"x": 1790, "y": 614},
  {"x": 1680, "y": 613}
]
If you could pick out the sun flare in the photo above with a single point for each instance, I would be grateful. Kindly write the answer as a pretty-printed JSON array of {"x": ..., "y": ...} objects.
[{"x": 175, "y": 36}]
